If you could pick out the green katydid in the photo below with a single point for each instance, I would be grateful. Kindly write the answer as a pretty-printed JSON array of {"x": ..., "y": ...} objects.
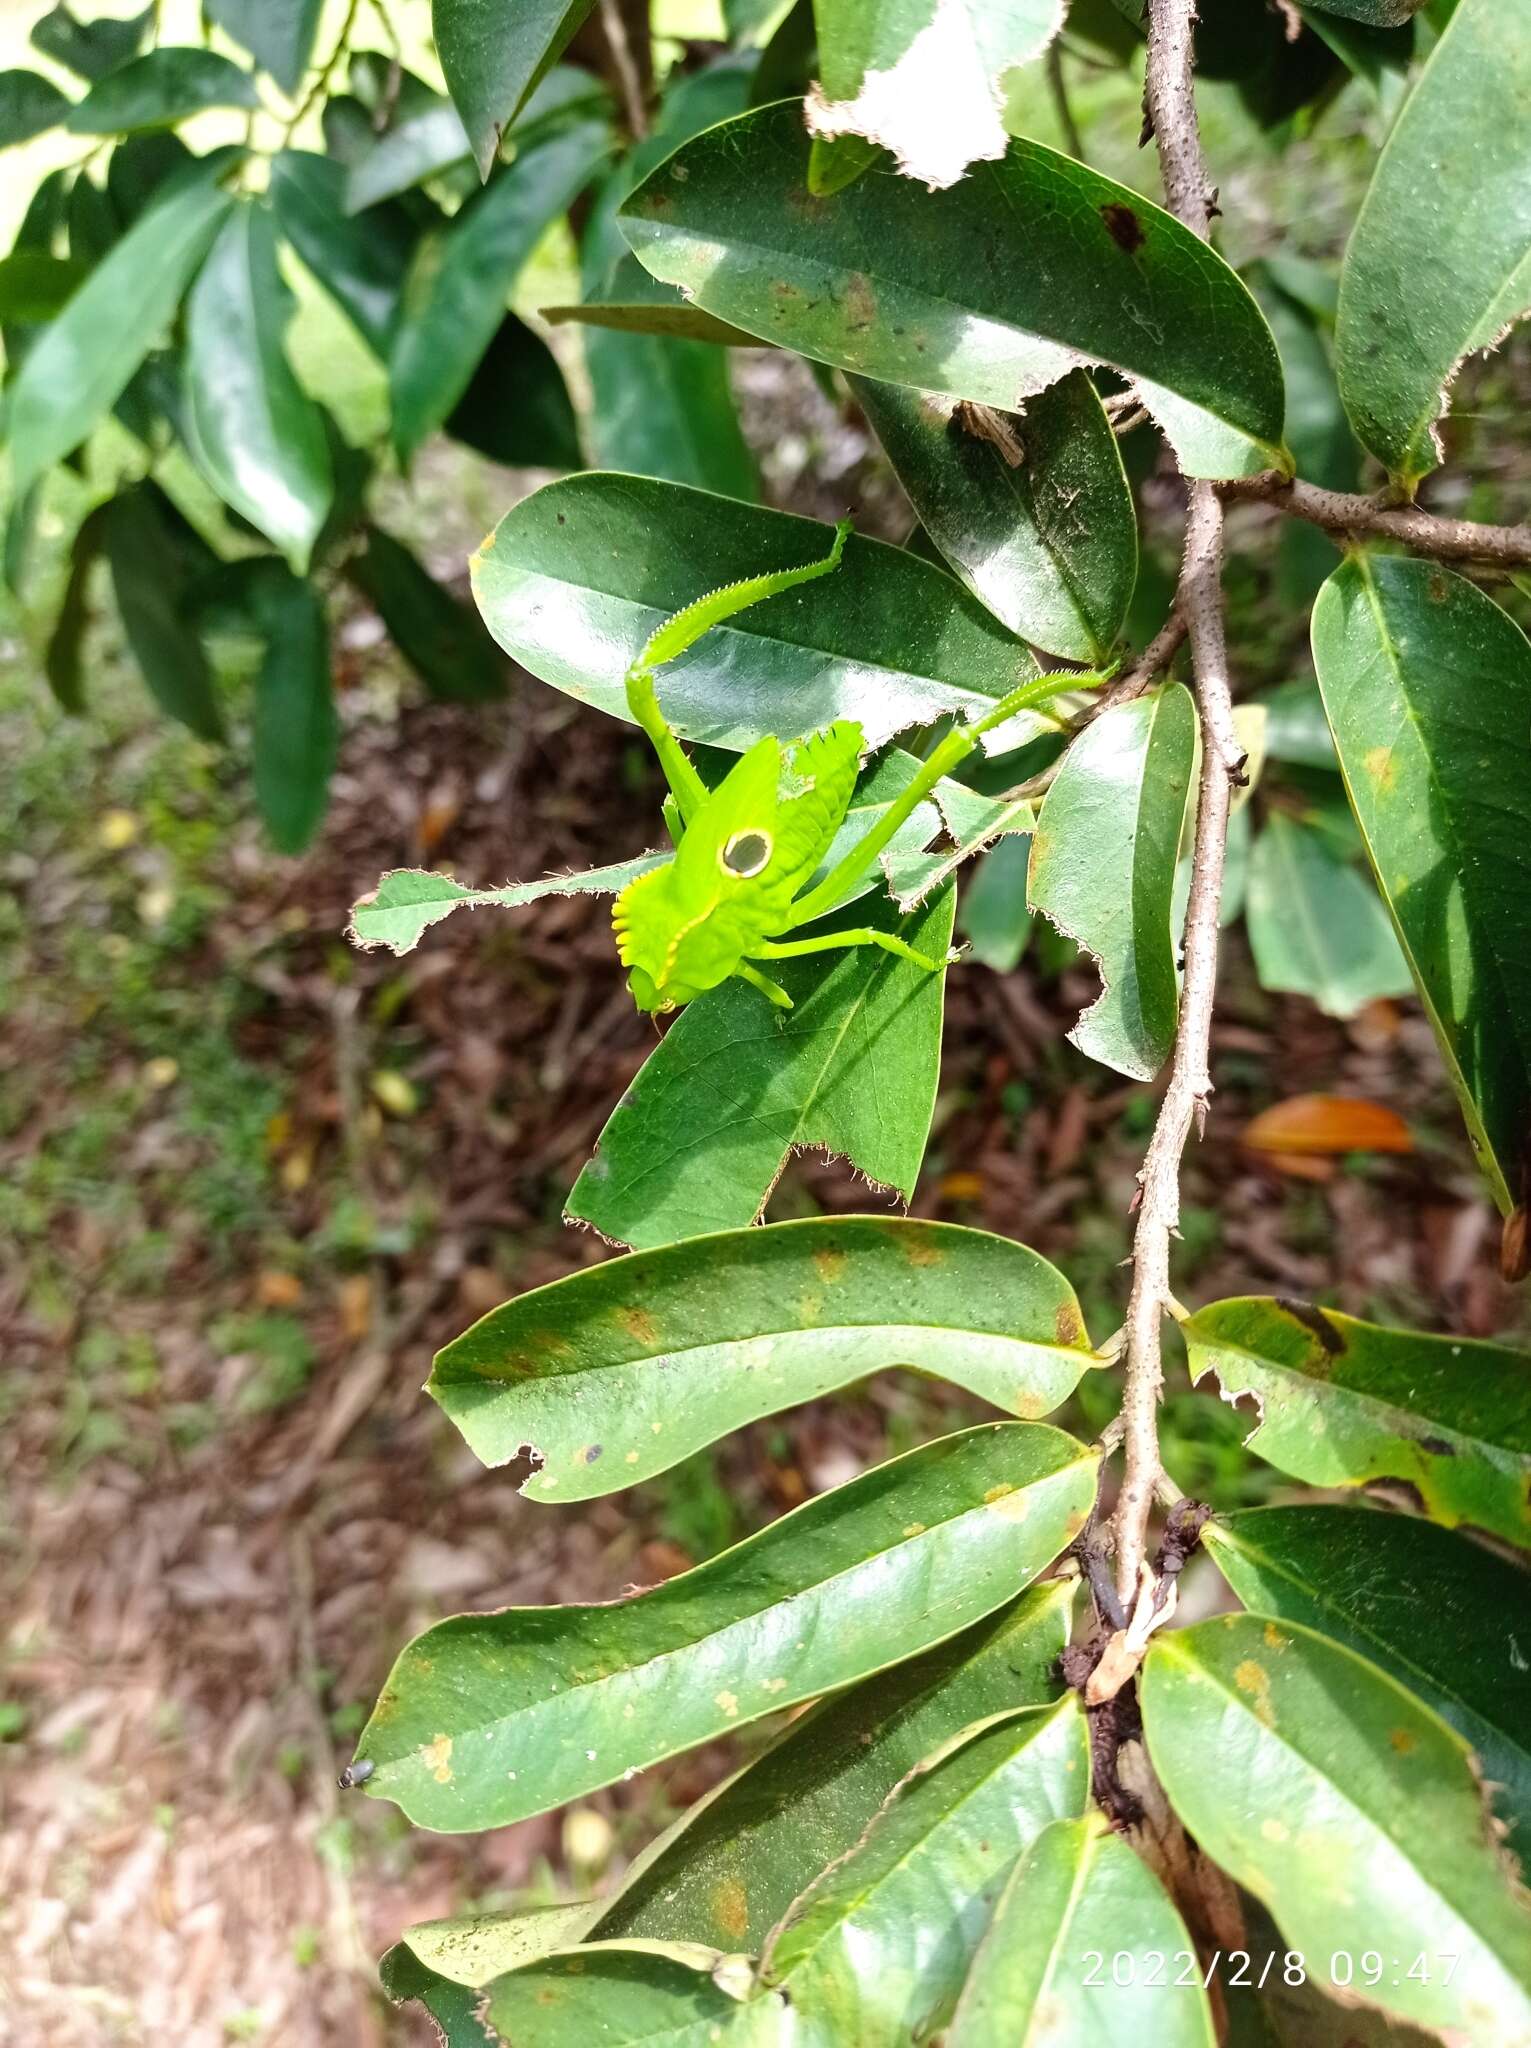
[{"x": 741, "y": 877}]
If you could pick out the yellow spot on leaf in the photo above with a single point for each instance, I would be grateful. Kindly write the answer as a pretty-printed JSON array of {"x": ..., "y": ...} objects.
[
  {"x": 1402, "y": 1739},
  {"x": 1378, "y": 763},
  {"x": 809, "y": 1308},
  {"x": 919, "y": 1250},
  {"x": 1274, "y": 1639},
  {"x": 1254, "y": 1679},
  {"x": 1273, "y": 1830},
  {"x": 1006, "y": 1502},
  {"x": 1067, "y": 1327},
  {"x": 830, "y": 1266},
  {"x": 915, "y": 1529},
  {"x": 728, "y": 1701},
  {"x": 631, "y": 1458},
  {"x": 730, "y": 1908},
  {"x": 437, "y": 1758},
  {"x": 1029, "y": 1405},
  {"x": 775, "y": 1684}
]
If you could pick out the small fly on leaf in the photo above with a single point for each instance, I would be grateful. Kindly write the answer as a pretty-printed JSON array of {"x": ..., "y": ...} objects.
[{"x": 356, "y": 1774}]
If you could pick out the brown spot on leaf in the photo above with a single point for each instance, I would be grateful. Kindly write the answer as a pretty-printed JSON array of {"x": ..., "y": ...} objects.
[
  {"x": 859, "y": 302},
  {"x": 1438, "y": 587},
  {"x": 639, "y": 1325},
  {"x": 1123, "y": 225},
  {"x": 919, "y": 1249},
  {"x": 1401, "y": 1739},
  {"x": 1437, "y": 1446},
  {"x": 1316, "y": 1321},
  {"x": 1254, "y": 1680},
  {"x": 1067, "y": 1327}
]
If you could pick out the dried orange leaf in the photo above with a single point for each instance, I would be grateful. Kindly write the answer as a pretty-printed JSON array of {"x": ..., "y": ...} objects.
[{"x": 1327, "y": 1123}]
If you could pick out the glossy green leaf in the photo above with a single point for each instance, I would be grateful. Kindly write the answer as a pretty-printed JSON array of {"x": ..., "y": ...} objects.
[
  {"x": 151, "y": 581},
  {"x": 35, "y": 287},
  {"x": 736, "y": 1087},
  {"x": 92, "y": 223},
  {"x": 973, "y": 822},
  {"x": 1439, "y": 260},
  {"x": 81, "y": 364},
  {"x": 578, "y": 575},
  {"x": 1103, "y": 870},
  {"x": 517, "y": 409},
  {"x": 1049, "y": 543},
  {"x": 926, "y": 81},
  {"x": 361, "y": 263},
  {"x": 66, "y": 644},
  {"x": 993, "y": 914},
  {"x": 440, "y": 639},
  {"x": 279, "y": 34},
  {"x": 727, "y": 1870},
  {"x": 1317, "y": 925},
  {"x": 1043, "y": 1976},
  {"x": 493, "y": 52},
  {"x": 296, "y": 731},
  {"x": 876, "y": 1950},
  {"x": 257, "y": 434},
  {"x": 1443, "y": 1616},
  {"x": 618, "y": 1372},
  {"x": 29, "y": 104},
  {"x": 487, "y": 1718},
  {"x": 139, "y": 167},
  {"x": 1296, "y": 729},
  {"x": 423, "y": 141},
  {"x": 945, "y": 292},
  {"x": 1349, "y": 1809},
  {"x": 1347, "y": 1403},
  {"x": 90, "y": 48},
  {"x": 1427, "y": 685},
  {"x": 461, "y": 279},
  {"x": 407, "y": 901},
  {"x": 158, "y": 90}
]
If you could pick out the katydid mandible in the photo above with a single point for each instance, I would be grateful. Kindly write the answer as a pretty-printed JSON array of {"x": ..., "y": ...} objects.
[{"x": 746, "y": 852}]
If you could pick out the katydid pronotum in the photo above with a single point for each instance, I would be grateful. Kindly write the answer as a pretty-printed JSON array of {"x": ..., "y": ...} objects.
[{"x": 746, "y": 852}]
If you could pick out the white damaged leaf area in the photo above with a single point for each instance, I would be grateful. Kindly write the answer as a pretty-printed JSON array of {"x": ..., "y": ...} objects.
[{"x": 934, "y": 98}]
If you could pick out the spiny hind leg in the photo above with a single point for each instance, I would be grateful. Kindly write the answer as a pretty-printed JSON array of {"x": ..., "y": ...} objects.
[
  {"x": 771, "y": 990},
  {"x": 792, "y": 949}
]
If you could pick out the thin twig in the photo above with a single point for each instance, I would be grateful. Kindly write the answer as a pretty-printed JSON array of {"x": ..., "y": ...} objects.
[
  {"x": 1348, "y": 512},
  {"x": 1171, "y": 106},
  {"x": 1057, "y": 85},
  {"x": 621, "y": 48},
  {"x": 326, "y": 70},
  {"x": 1146, "y": 670}
]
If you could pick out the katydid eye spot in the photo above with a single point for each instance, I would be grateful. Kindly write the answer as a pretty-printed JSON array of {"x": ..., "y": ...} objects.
[{"x": 746, "y": 853}]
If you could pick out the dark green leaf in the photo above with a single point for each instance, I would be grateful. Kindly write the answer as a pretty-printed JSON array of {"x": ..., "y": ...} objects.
[
  {"x": 579, "y": 574},
  {"x": 150, "y": 583},
  {"x": 517, "y": 409},
  {"x": 1350, "y": 1809},
  {"x": 362, "y": 263},
  {"x": 729, "y": 1868},
  {"x": 256, "y": 432},
  {"x": 493, "y": 52},
  {"x": 90, "y": 48},
  {"x": 1427, "y": 685},
  {"x": 92, "y": 221},
  {"x": 993, "y": 915},
  {"x": 296, "y": 733},
  {"x": 657, "y": 1355},
  {"x": 1369, "y": 1580},
  {"x": 925, "y": 81},
  {"x": 990, "y": 291},
  {"x": 34, "y": 287},
  {"x": 1316, "y": 925},
  {"x": 82, "y": 362},
  {"x": 139, "y": 167},
  {"x": 1439, "y": 260},
  {"x": 703, "y": 1134},
  {"x": 876, "y": 1949},
  {"x": 457, "y": 290},
  {"x": 29, "y": 104},
  {"x": 488, "y": 1718},
  {"x": 1103, "y": 870},
  {"x": 1347, "y": 1403},
  {"x": 61, "y": 663},
  {"x": 1042, "y": 532},
  {"x": 279, "y": 34},
  {"x": 418, "y": 146},
  {"x": 159, "y": 90},
  {"x": 1080, "y": 1898},
  {"x": 46, "y": 215},
  {"x": 440, "y": 639}
]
